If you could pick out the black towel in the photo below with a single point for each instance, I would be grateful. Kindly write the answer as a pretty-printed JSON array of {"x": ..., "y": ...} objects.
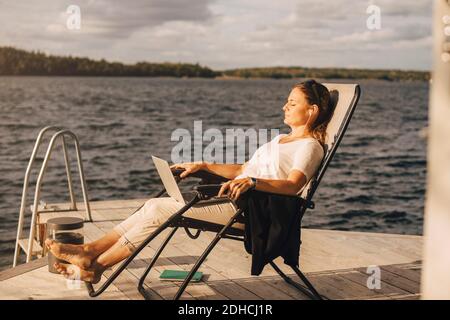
[{"x": 272, "y": 228}]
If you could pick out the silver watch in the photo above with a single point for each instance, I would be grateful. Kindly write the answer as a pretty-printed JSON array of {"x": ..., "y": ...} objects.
[{"x": 254, "y": 180}]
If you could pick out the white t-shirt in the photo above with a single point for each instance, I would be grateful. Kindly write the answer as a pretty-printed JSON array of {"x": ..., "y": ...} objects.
[{"x": 274, "y": 161}]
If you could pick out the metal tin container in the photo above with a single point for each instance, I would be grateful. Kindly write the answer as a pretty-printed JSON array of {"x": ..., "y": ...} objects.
[{"x": 64, "y": 230}]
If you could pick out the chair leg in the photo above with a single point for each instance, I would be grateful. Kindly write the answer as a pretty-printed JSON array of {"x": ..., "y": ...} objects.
[
  {"x": 94, "y": 293},
  {"x": 307, "y": 282},
  {"x": 310, "y": 291},
  {"x": 141, "y": 288},
  {"x": 205, "y": 254}
]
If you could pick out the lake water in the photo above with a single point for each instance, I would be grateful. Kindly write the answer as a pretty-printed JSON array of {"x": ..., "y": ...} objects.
[{"x": 375, "y": 183}]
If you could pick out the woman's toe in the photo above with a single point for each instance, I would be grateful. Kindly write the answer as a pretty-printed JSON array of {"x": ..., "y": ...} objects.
[
  {"x": 60, "y": 268},
  {"x": 49, "y": 243}
]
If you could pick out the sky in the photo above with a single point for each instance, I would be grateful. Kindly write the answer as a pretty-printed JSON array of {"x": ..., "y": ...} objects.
[{"x": 225, "y": 34}]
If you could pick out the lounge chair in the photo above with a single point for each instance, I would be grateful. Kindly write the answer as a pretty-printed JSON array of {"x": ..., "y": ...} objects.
[{"x": 346, "y": 97}]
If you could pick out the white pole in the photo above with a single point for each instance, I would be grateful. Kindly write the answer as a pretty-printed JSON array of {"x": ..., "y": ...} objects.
[{"x": 436, "y": 264}]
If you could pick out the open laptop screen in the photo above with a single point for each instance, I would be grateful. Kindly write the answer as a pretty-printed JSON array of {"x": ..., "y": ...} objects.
[{"x": 168, "y": 180}]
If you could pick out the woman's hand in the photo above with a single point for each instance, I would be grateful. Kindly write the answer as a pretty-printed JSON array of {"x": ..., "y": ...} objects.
[
  {"x": 234, "y": 188},
  {"x": 189, "y": 168}
]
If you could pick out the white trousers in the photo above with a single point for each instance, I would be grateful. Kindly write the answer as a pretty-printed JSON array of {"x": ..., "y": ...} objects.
[{"x": 136, "y": 228}]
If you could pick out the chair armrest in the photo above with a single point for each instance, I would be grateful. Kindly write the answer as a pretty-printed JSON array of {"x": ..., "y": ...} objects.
[
  {"x": 208, "y": 190},
  {"x": 205, "y": 176},
  {"x": 208, "y": 177},
  {"x": 211, "y": 190}
]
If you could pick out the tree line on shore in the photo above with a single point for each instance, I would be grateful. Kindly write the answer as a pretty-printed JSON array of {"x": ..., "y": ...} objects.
[
  {"x": 327, "y": 73},
  {"x": 21, "y": 62}
]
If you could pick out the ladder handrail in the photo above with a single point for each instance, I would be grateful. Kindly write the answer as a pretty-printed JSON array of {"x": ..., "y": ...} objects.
[
  {"x": 39, "y": 183},
  {"x": 60, "y": 132},
  {"x": 73, "y": 205},
  {"x": 26, "y": 184}
]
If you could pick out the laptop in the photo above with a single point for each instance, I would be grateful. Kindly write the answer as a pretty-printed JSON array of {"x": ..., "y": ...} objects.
[{"x": 168, "y": 180}]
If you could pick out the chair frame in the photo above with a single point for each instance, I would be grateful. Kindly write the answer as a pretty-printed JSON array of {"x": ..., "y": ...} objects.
[{"x": 204, "y": 195}]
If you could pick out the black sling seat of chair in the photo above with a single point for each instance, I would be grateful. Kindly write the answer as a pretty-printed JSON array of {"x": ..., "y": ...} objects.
[{"x": 345, "y": 97}]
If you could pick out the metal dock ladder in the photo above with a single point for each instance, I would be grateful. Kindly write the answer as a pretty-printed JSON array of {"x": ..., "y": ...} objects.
[{"x": 34, "y": 244}]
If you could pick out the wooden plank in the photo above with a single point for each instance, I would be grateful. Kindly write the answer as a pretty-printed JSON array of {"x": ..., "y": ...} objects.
[
  {"x": 408, "y": 297},
  {"x": 165, "y": 289},
  {"x": 333, "y": 252},
  {"x": 114, "y": 204},
  {"x": 390, "y": 239},
  {"x": 411, "y": 274},
  {"x": 399, "y": 282},
  {"x": 262, "y": 289},
  {"x": 155, "y": 288},
  {"x": 225, "y": 254},
  {"x": 350, "y": 289},
  {"x": 401, "y": 246},
  {"x": 319, "y": 281},
  {"x": 204, "y": 291},
  {"x": 185, "y": 260},
  {"x": 230, "y": 251},
  {"x": 340, "y": 255},
  {"x": 385, "y": 290},
  {"x": 92, "y": 232},
  {"x": 175, "y": 248},
  {"x": 101, "y": 204},
  {"x": 233, "y": 290},
  {"x": 390, "y": 236},
  {"x": 118, "y": 209},
  {"x": 127, "y": 283},
  {"x": 41, "y": 284},
  {"x": 224, "y": 263},
  {"x": 397, "y": 297},
  {"x": 23, "y": 268},
  {"x": 277, "y": 282},
  {"x": 113, "y": 215},
  {"x": 177, "y": 257}
]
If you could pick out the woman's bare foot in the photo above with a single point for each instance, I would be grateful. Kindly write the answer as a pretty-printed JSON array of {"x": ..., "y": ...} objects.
[
  {"x": 74, "y": 254},
  {"x": 72, "y": 272}
]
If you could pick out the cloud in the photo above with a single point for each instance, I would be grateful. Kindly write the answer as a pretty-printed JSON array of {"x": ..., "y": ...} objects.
[
  {"x": 228, "y": 33},
  {"x": 107, "y": 19},
  {"x": 118, "y": 18},
  {"x": 335, "y": 34},
  {"x": 405, "y": 8},
  {"x": 387, "y": 35}
]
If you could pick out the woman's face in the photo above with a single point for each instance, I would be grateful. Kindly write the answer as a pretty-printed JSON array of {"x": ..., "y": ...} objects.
[{"x": 297, "y": 110}]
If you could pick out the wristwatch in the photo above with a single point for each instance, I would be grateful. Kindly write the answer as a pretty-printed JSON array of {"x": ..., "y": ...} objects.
[{"x": 254, "y": 180}]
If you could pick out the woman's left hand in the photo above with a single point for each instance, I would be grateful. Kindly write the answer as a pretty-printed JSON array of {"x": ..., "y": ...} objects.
[{"x": 234, "y": 188}]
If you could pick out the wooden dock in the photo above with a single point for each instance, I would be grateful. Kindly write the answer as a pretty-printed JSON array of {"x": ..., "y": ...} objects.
[{"x": 336, "y": 263}]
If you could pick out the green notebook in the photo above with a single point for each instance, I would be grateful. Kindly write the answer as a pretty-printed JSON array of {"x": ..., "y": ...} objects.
[{"x": 179, "y": 275}]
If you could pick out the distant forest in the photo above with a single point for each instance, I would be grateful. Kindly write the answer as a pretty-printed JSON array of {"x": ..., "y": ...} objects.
[
  {"x": 20, "y": 62},
  {"x": 327, "y": 73}
]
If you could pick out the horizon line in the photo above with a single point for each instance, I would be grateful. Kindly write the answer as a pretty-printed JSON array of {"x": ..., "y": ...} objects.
[{"x": 204, "y": 65}]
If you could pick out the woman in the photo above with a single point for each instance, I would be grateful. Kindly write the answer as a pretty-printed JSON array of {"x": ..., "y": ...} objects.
[{"x": 299, "y": 154}]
